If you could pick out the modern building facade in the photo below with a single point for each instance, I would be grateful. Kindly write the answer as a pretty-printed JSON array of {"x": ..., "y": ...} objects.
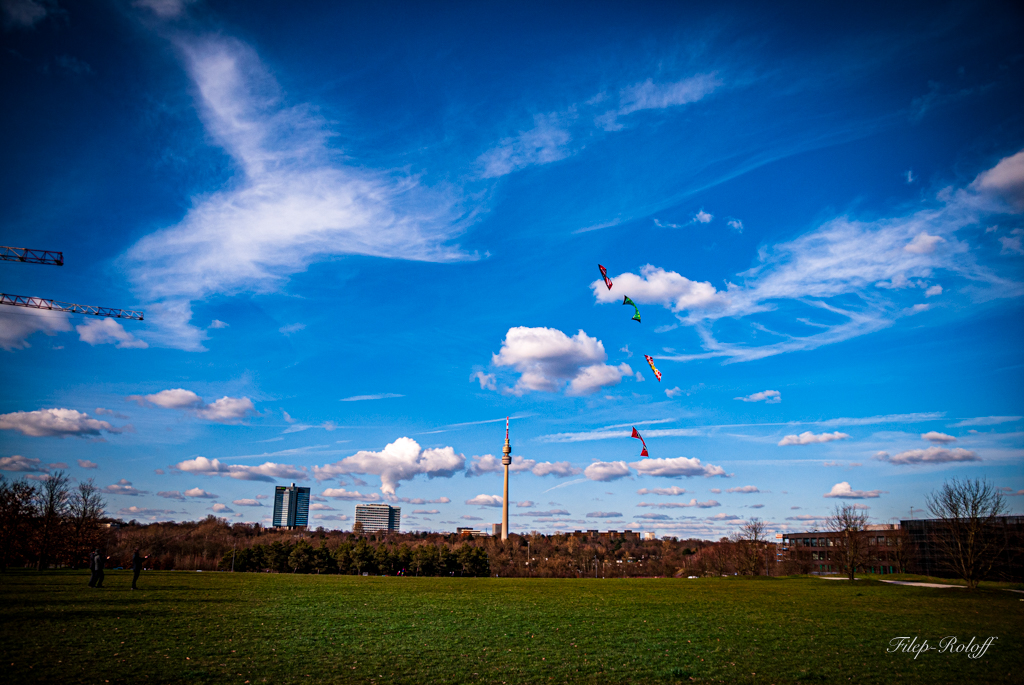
[
  {"x": 379, "y": 517},
  {"x": 816, "y": 550},
  {"x": 291, "y": 507}
]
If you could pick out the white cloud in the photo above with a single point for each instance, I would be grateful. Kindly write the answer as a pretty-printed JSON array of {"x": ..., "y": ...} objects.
[
  {"x": 987, "y": 421},
  {"x": 488, "y": 463},
  {"x": 676, "y": 467},
  {"x": 86, "y": 464},
  {"x": 487, "y": 380},
  {"x": 745, "y": 489},
  {"x": 546, "y": 142},
  {"x": 1012, "y": 243},
  {"x": 217, "y": 323},
  {"x": 1004, "y": 181},
  {"x": 430, "y": 512},
  {"x": 199, "y": 493},
  {"x": 268, "y": 471},
  {"x": 932, "y": 455},
  {"x": 486, "y": 501},
  {"x": 702, "y": 217},
  {"x": 123, "y": 487},
  {"x": 657, "y": 286},
  {"x": 673, "y": 392},
  {"x": 923, "y": 243},
  {"x": 316, "y": 506},
  {"x": 293, "y": 201},
  {"x": 766, "y": 396},
  {"x": 724, "y": 517},
  {"x": 342, "y": 493},
  {"x": 933, "y": 291},
  {"x": 606, "y": 470},
  {"x": 400, "y": 460},
  {"x": 547, "y": 359},
  {"x": 809, "y": 438},
  {"x": 18, "y": 323},
  {"x": 559, "y": 469},
  {"x": 292, "y": 328},
  {"x": 224, "y": 410},
  {"x": 171, "y": 494},
  {"x": 222, "y": 508},
  {"x": 650, "y": 95},
  {"x": 736, "y": 225},
  {"x": 151, "y": 513},
  {"x": 604, "y": 514},
  {"x": 378, "y": 396},
  {"x": 24, "y": 464},
  {"x": 672, "y": 491},
  {"x": 420, "y": 500},
  {"x": 843, "y": 491},
  {"x": 935, "y": 436},
  {"x": 55, "y": 423},
  {"x": 525, "y": 504},
  {"x": 681, "y": 505},
  {"x": 107, "y": 331}
]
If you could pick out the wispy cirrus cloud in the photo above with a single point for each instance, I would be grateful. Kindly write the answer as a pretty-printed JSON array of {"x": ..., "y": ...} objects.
[
  {"x": 846, "y": 278},
  {"x": 364, "y": 398},
  {"x": 293, "y": 201}
]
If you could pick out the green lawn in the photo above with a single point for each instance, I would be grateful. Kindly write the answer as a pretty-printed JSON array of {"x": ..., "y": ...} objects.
[{"x": 244, "y": 627}]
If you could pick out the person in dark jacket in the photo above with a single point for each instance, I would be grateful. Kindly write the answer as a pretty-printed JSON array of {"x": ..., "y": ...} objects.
[
  {"x": 92, "y": 567},
  {"x": 97, "y": 566},
  {"x": 137, "y": 560}
]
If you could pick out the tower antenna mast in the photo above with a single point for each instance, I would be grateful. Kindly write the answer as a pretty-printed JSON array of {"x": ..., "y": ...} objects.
[{"x": 506, "y": 459}]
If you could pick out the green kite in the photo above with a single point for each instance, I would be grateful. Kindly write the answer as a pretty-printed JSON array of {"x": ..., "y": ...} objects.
[{"x": 636, "y": 316}]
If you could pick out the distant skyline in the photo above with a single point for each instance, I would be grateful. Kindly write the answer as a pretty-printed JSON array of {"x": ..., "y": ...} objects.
[{"x": 362, "y": 236}]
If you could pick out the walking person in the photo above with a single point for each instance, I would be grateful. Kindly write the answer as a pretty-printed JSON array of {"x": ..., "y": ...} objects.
[
  {"x": 137, "y": 560},
  {"x": 98, "y": 562},
  {"x": 92, "y": 567}
]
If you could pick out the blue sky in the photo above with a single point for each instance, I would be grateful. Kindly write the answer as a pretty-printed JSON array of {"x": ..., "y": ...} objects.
[{"x": 362, "y": 236}]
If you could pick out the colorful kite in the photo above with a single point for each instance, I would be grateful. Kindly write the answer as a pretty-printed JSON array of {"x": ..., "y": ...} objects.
[
  {"x": 636, "y": 316},
  {"x": 657, "y": 374},
  {"x": 643, "y": 453},
  {"x": 604, "y": 275}
]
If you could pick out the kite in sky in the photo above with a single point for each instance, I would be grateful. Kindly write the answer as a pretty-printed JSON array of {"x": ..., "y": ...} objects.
[
  {"x": 636, "y": 316},
  {"x": 657, "y": 374},
  {"x": 643, "y": 453},
  {"x": 604, "y": 275}
]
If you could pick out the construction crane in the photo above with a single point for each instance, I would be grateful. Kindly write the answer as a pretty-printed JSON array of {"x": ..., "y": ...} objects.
[{"x": 30, "y": 256}]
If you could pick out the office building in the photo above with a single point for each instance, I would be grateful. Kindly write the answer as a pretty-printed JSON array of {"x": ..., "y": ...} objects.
[
  {"x": 291, "y": 507},
  {"x": 379, "y": 517}
]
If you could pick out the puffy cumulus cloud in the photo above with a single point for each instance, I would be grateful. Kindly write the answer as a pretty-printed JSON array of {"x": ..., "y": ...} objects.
[
  {"x": 267, "y": 472},
  {"x": 548, "y": 360},
  {"x": 844, "y": 491},
  {"x": 86, "y": 464},
  {"x": 681, "y": 505},
  {"x": 485, "y": 501},
  {"x": 1004, "y": 182},
  {"x": 678, "y": 466},
  {"x": 654, "y": 285},
  {"x": 222, "y": 508},
  {"x": 489, "y": 464},
  {"x": 604, "y": 514},
  {"x": 525, "y": 504},
  {"x": 400, "y": 460},
  {"x": 933, "y": 291},
  {"x": 606, "y": 470},
  {"x": 316, "y": 506},
  {"x": 224, "y": 410},
  {"x": 23, "y": 464},
  {"x": 107, "y": 331},
  {"x": 745, "y": 489},
  {"x": 331, "y": 517},
  {"x": 936, "y": 436},
  {"x": 559, "y": 469},
  {"x": 199, "y": 493},
  {"x": 809, "y": 438},
  {"x": 932, "y": 455},
  {"x": 672, "y": 491},
  {"x": 123, "y": 487},
  {"x": 18, "y": 323},
  {"x": 342, "y": 493},
  {"x": 923, "y": 244},
  {"x": 59, "y": 423},
  {"x": 766, "y": 396},
  {"x": 257, "y": 503},
  {"x": 292, "y": 202}
]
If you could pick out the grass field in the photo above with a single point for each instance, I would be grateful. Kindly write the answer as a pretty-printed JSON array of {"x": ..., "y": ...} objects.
[{"x": 255, "y": 628}]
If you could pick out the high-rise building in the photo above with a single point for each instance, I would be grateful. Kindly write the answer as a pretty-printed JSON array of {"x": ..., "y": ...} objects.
[
  {"x": 379, "y": 517},
  {"x": 291, "y": 507}
]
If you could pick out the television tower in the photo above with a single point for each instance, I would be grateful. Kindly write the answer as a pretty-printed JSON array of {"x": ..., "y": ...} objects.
[{"x": 506, "y": 459}]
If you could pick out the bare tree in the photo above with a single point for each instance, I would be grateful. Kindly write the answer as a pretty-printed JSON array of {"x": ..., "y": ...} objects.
[
  {"x": 16, "y": 509},
  {"x": 85, "y": 508},
  {"x": 902, "y": 548},
  {"x": 850, "y": 546},
  {"x": 967, "y": 539},
  {"x": 751, "y": 543},
  {"x": 52, "y": 507}
]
